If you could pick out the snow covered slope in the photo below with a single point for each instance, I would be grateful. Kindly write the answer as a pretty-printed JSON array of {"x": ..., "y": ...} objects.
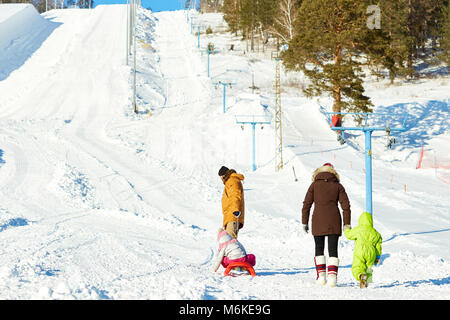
[
  {"x": 97, "y": 202},
  {"x": 22, "y": 31}
]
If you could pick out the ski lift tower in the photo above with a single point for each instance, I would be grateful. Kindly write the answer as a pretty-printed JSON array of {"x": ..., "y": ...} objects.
[
  {"x": 368, "y": 128},
  {"x": 253, "y": 120},
  {"x": 208, "y": 51},
  {"x": 224, "y": 84},
  {"x": 278, "y": 115},
  {"x": 202, "y": 27},
  {"x": 192, "y": 23}
]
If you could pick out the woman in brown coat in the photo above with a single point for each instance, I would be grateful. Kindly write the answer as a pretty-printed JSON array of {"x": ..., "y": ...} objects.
[{"x": 325, "y": 192}]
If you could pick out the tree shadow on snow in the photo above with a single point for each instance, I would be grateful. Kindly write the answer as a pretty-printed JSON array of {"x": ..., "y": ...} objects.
[
  {"x": 1, "y": 157},
  {"x": 425, "y": 120},
  {"x": 15, "y": 222},
  {"x": 280, "y": 271},
  {"x": 395, "y": 235},
  {"x": 289, "y": 271},
  {"x": 416, "y": 283}
]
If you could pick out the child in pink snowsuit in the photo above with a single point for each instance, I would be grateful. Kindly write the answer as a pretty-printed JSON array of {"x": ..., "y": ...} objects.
[{"x": 231, "y": 250}]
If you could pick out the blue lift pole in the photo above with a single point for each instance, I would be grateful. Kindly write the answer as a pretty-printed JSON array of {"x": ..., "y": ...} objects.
[
  {"x": 368, "y": 145},
  {"x": 209, "y": 52},
  {"x": 198, "y": 33},
  {"x": 368, "y": 156},
  {"x": 224, "y": 84},
  {"x": 224, "y": 95},
  {"x": 253, "y": 122},
  {"x": 253, "y": 146},
  {"x": 198, "y": 39}
]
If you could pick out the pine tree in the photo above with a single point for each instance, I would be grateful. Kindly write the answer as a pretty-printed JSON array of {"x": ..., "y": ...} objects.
[
  {"x": 326, "y": 48},
  {"x": 424, "y": 17},
  {"x": 209, "y": 5},
  {"x": 248, "y": 20},
  {"x": 445, "y": 35},
  {"x": 389, "y": 46},
  {"x": 250, "y": 17},
  {"x": 265, "y": 17},
  {"x": 39, "y": 5},
  {"x": 230, "y": 9}
]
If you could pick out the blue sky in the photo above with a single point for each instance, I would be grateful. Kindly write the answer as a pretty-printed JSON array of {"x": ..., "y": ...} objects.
[{"x": 156, "y": 5}]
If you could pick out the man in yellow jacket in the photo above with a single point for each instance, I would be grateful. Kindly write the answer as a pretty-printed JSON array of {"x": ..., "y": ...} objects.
[{"x": 233, "y": 207}]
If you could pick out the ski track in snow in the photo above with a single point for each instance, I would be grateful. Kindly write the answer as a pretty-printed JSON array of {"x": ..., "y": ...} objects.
[{"x": 97, "y": 202}]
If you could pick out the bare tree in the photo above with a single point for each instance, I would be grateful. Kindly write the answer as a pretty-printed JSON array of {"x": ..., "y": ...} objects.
[{"x": 284, "y": 22}]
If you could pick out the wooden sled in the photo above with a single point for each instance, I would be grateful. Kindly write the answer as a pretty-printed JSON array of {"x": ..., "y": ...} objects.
[{"x": 244, "y": 265}]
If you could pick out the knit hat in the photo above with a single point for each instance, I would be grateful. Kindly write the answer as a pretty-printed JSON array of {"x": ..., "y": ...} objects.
[
  {"x": 223, "y": 171},
  {"x": 328, "y": 164}
]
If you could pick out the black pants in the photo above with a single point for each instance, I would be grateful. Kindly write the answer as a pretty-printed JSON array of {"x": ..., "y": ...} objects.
[{"x": 332, "y": 245}]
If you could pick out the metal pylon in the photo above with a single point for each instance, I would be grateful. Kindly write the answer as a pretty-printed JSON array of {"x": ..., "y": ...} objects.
[{"x": 278, "y": 114}]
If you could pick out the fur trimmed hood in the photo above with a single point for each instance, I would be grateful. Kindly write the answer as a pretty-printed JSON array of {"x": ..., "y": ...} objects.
[{"x": 325, "y": 169}]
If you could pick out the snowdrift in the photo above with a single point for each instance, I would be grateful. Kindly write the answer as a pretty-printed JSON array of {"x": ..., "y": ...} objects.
[{"x": 22, "y": 31}]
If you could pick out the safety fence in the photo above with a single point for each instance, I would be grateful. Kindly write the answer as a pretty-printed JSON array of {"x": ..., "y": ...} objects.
[{"x": 430, "y": 159}]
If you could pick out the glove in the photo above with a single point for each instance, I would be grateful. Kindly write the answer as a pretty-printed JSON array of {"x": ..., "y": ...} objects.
[
  {"x": 305, "y": 227},
  {"x": 347, "y": 226},
  {"x": 237, "y": 214}
]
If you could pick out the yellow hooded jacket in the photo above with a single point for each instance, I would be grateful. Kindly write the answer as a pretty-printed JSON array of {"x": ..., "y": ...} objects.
[{"x": 233, "y": 199}]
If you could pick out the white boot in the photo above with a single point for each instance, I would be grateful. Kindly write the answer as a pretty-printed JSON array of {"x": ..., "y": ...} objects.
[
  {"x": 333, "y": 264},
  {"x": 321, "y": 269}
]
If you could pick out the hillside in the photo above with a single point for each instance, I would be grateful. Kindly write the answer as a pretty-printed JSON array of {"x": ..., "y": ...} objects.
[{"x": 98, "y": 202}]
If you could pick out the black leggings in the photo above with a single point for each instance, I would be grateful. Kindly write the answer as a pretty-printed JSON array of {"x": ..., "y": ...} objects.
[{"x": 332, "y": 245}]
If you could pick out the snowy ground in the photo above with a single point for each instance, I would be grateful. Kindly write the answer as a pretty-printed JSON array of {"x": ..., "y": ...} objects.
[{"x": 98, "y": 202}]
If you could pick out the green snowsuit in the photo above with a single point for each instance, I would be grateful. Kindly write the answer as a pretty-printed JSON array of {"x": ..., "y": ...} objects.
[{"x": 367, "y": 246}]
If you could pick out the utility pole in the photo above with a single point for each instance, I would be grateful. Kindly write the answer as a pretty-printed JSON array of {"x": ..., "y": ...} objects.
[
  {"x": 131, "y": 41},
  {"x": 127, "y": 44},
  {"x": 134, "y": 54},
  {"x": 278, "y": 114}
]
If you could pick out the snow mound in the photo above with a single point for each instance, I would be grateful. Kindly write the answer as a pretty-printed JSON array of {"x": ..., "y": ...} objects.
[{"x": 22, "y": 31}]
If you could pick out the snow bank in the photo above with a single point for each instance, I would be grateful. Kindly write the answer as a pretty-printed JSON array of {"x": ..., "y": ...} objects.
[
  {"x": 8, "y": 10},
  {"x": 22, "y": 31}
]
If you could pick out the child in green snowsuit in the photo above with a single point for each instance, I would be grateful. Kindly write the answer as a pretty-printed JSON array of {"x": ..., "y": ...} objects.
[{"x": 367, "y": 248}]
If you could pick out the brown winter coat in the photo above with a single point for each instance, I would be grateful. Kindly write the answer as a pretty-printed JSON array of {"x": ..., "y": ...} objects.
[
  {"x": 233, "y": 198},
  {"x": 325, "y": 192}
]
